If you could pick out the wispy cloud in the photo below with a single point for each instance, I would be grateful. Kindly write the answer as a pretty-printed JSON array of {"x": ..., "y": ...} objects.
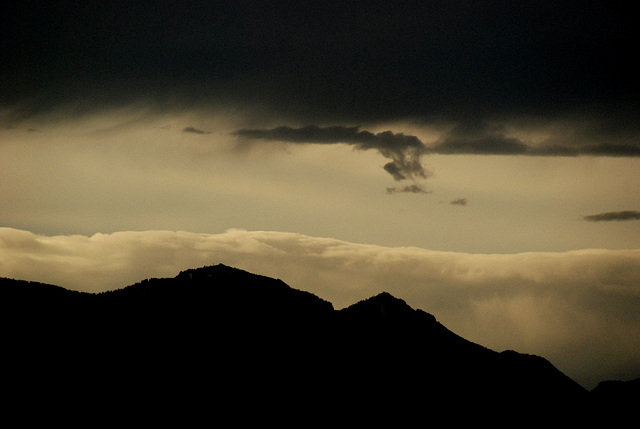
[
  {"x": 611, "y": 216},
  {"x": 193, "y": 130},
  {"x": 413, "y": 189},
  {"x": 459, "y": 202}
]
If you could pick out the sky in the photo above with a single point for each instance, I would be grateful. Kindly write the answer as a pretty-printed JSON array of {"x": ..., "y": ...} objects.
[{"x": 479, "y": 160}]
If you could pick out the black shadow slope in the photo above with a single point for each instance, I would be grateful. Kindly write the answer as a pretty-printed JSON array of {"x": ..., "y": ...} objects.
[
  {"x": 220, "y": 342},
  {"x": 404, "y": 358}
]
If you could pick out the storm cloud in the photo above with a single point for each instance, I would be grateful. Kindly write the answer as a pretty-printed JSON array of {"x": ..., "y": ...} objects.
[
  {"x": 611, "y": 216},
  {"x": 428, "y": 60}
]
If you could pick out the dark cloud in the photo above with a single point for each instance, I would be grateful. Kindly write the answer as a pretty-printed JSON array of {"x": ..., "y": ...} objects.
[
  {"x": 193, "y": 130},
  {"x": 611, "y": 216},
  {"x": 460, "y": 63},
  {"x": 385, "y": 140},
  {"x": 611, "y": 149},
  {"x": 324, "y": 60},
  {"x": 413, "y": 189},
  {"x": 478, "y": 138},
  {"x": 599, "y": 149},
  {"x": 405, "y": 151},
  {"x": 459, "y": 202},
  {"x": 481, "y": 146}
]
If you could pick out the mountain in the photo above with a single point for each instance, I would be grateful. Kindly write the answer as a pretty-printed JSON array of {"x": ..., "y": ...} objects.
[
  {"x": 406, "y": 347},
  {"x": 617, "y": 394},
  {"x": 224, "y": 342}
]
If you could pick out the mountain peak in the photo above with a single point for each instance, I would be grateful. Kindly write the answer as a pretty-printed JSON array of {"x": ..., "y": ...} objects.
[
  {"x": 382, "y": 305},
  {"x": 211, "y": 271},
  {"x": 388, "y": 304}
]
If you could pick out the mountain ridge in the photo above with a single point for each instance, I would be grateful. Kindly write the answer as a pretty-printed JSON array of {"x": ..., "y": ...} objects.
[{"x": 242, "y": 329}]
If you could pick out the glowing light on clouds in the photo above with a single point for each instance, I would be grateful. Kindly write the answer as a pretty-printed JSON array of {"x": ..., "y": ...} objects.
[{"x": 560, "y": 305}]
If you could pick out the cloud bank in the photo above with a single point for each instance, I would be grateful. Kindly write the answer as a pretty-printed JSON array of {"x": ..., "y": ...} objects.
[
  {"x": 580, "y": 309},
  {"x": 412, "y": 59}
]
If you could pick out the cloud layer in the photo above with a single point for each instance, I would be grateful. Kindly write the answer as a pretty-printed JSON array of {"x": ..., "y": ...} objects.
[
  {"x": 443, "y": 59},
  {"x": 481, "y": 138},
  {"x": 580, "y": 309},
  {"x": 466, "y": 138},
  {"x": 482, "y": 70}
]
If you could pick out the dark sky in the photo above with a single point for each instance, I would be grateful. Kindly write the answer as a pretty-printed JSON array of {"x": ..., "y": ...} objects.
[{"x": 327, "y": 60}]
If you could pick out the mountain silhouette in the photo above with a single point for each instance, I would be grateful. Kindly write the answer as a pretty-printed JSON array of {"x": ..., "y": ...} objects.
[{"x": 224, "y": 341}]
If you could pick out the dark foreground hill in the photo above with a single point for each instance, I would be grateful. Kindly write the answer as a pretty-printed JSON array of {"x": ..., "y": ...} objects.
[{"x": 218, "y": 342}]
